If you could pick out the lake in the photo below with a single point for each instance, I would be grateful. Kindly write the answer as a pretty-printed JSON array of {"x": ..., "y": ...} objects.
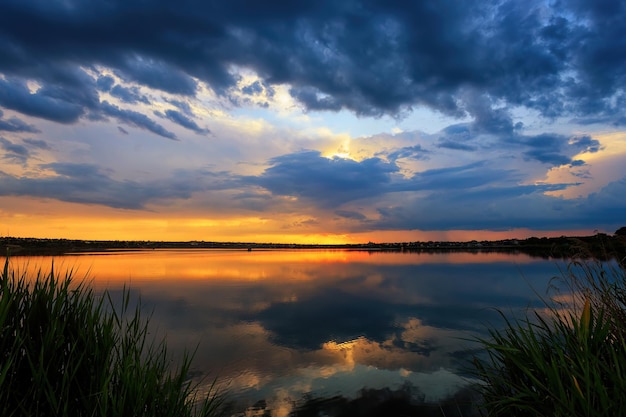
[{"x": 279, "y": 328}]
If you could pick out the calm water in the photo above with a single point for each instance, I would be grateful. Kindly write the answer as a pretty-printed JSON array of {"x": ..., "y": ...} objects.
[{"x": 278, "y": 325}]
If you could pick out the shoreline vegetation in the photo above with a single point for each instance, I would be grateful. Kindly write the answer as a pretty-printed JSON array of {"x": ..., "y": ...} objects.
[
  {"x": 567, "y": 360},
  {"x": 599, "y": 246},
  {"x": 66, "y": 351}
]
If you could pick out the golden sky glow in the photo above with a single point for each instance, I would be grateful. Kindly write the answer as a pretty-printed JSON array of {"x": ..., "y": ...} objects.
[{"x": 327, "y": 133}]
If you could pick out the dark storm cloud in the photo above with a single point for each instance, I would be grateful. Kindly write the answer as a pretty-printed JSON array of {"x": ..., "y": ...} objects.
[
  {"x": 469, "y": 197},
  {"x": 105, "y": 83},
  {"x": 253, "y": 89},
  {"x": 327, "y": 182},
  {"x": 129, "y": 95},
  {"x": 608, "y": 205},
  {"x": 548, "y": 148},
  {"x": 136, "y": 119},
  {"x": 16, "y": 96},
  {"x": 457, "y": 137},
  {"x": 495, "y": 207},
  {"x": 314, "y": 99},
  {"x": 489, "y": 119},
  {"x": 331, "y": 183},
  {"x": 179, "y": 118},
  {"x": 158, "y": 75},
  {"x": 554, "y": 149},
  {"x": 373, "y": 57},
  {"x": 585, "y": 143}
]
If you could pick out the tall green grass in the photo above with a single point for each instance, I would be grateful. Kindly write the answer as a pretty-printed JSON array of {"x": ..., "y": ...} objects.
[
  {"x": 569, "y": 360},
  {"x": 67, "y": 351}
]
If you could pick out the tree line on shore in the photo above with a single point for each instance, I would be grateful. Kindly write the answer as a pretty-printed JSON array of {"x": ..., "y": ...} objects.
[{"x": 600, "y": 245}]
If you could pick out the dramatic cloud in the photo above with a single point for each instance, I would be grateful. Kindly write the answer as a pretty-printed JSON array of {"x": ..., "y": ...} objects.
[
  {"x": 555, "y": 149},
  {"x": 44, "y": 104},
  {"x": 447, "y": 115},
  {"x": 372, "y": 57},
  {"x": 129, "y": 95},
  {"x": 89, "y": 184},
  {"x": 327, "y": 182},
  {"x": 179, "y": 118},
  {"x": 136, "y": 119}
]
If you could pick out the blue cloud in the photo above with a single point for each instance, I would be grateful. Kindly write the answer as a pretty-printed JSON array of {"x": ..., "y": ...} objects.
[
  {"x": 14, "y": 151},
  {"x": 487, "y": 208},
  {"x": 16, "y": 96},
  {"x": 459, "y": 146},
  {"x": 136, "y": 119},
  {"x": 76, "y": 183},
  {"x": 158, "y": 74},
  {"x": 553, "y": 149},
  {"x": 348, "y": 214},
  {"x": 37, "y": 143},
  {"x": 326, "y": 182},
  {"x": 14, "y": 124},
  {"x": 130, "y": 95},
  {"x": 416, "y": 152},
  {"x": 105, "y": 83},
  {"x": 253, "y": 89},
  {"x": 179, "y": 118},
  {"x": 478, "y": 57}
]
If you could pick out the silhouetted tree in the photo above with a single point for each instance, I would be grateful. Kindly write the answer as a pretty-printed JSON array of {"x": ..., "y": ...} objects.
[{"x": 621, "y": 231}]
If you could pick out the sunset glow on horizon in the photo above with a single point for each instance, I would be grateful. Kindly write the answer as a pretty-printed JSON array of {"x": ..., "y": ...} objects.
[{"x": 311, "y": 122}]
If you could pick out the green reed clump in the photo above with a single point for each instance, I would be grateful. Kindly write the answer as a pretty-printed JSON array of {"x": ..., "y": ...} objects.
[
  {"x": 568, "y": 362},
  {"x": 66, "y": 351}
]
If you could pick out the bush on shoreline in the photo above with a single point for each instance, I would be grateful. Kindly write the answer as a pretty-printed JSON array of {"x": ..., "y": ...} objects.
[
  {"x": 65, "y": 351},
  {"x": 568, "y": 362}
]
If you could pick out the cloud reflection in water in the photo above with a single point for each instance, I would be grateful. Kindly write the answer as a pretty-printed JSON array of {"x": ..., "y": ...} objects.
[{"x": 277, "y": 325}]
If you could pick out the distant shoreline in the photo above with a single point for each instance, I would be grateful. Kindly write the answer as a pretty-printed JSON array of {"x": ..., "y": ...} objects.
[{"x": 600, "y": 246}]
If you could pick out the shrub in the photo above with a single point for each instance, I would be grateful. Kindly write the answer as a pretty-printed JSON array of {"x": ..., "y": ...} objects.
[
  {"x": 570, "y": 362},
  {"x": 66, "y": 351}
]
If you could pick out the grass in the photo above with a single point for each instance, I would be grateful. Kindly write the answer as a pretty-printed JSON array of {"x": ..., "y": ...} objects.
[
  {"x": 570, "y": 361},
  {"x": 66, "y": 351}
]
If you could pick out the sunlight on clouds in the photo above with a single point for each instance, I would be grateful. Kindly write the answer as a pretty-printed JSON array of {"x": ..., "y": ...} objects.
[
  {"x": 37, "y": 217},
  {"x": 346, "y": 351},
  {"x": 222, "y": 223},
  {"x": 247, "y": 126},
  {"x": 276, "y": 96},
  {"x": 286, "y": 105},
  {"x": 600, "y": 168},
  {"x": 208, "y": 104},
  {"x": 339, "y": 146},
  {"x": 33, "y": 86}
]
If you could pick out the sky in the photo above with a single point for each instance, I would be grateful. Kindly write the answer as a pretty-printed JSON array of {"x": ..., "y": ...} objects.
[{"x": 312, "y": 121}]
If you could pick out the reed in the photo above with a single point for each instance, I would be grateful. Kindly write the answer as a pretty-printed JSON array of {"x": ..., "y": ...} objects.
[
  {"x": 568, "y": 362},
  {"x": 66, "y": 351}
]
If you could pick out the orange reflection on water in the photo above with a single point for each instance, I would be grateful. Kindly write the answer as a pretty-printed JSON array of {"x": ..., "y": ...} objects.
[{"x": 235, "y": 265}]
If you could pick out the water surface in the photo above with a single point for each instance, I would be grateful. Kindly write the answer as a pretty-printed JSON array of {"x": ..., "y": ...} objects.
[{"x": 276, "y": 326}]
